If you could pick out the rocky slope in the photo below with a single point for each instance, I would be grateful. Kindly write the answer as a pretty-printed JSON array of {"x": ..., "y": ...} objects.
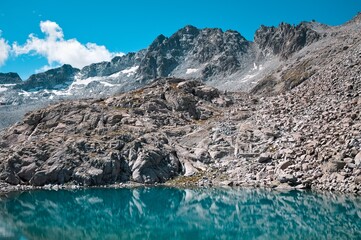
[
  {"x": 193, "y": 134},
  {"x": 324, "y": 45}
]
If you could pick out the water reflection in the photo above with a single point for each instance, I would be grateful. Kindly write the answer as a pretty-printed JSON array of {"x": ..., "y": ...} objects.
[{"x": 168, "y": 213}]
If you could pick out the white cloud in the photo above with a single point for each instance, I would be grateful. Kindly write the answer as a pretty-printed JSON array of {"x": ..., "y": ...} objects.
[
  {"x": 4, "y": 50},
  {"x": 46, "y": 68},
  {"x": 58, "y": 50}
]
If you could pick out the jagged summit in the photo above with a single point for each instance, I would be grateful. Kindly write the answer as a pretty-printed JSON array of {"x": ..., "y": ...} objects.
[
  {"x": 193, "y": 51},
  {"x": 285, "y": 39},
  {"x": 189, "y": 30}
]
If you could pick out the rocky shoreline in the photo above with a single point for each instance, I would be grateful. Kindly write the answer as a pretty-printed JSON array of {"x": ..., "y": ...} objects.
[{"x": 7, "y": 190}]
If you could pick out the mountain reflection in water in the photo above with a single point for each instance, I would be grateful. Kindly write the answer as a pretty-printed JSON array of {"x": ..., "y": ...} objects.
[{"x": 171, "y": 213}]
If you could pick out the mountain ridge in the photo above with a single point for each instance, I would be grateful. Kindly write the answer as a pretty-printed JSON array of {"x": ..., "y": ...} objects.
[
  {"x": 276, "y": 61},
  {"x": 161, "y": 45}
]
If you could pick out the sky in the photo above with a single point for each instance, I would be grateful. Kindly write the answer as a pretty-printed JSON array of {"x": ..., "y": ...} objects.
[{"x": 36, "y": 35}]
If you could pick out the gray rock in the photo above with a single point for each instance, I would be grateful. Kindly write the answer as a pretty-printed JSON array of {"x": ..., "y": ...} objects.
[
  {"x": 27, "y": 172},
  {"x": 264, "y": 158},
  {"x": 333, "y": 166},
  {"x": 227, "y": 183},
  {"x": 285, "y": 39},
  {"x": 358, "y": 180},
  {"x": 285, "y": 164},
  {"x": 287, "y": 178},
  {"x": 358, "y": 159}
]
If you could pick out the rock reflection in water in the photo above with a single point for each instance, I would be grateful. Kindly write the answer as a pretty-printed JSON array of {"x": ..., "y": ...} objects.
[{"x": 169, "y": 213}]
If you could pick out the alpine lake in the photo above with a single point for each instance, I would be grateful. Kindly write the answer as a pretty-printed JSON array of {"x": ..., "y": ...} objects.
[{"x": 177, "y": 213}]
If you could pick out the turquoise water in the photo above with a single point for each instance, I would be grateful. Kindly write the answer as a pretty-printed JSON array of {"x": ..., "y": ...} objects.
[{"x": 170, "y": 213}]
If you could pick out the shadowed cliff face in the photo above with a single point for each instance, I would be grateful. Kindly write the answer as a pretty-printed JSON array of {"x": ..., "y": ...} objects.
[
  {"x": 285, "y": 39},
  {"x": 9, "y": 78},
  {"x": 175, "y": 213}
]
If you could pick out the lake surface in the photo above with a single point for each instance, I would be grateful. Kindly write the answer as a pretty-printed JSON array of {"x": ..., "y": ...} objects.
[{"x": 171, "y": 213}]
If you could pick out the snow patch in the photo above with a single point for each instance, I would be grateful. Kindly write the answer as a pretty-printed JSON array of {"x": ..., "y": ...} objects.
[
  {"x": 4, "y": 87},
  {"x": 107, "y": 84},
  {"x": 60, "y": 93},
  {"x": 255, "y": 66},
  {"x": 24, "y": 93},
  {"x": 192, "y": 70},
  {"x": 248, "y": 77},
  {"x": 130, "y": 71},
  {"x": 116, "y": 75},
  {"x": 86, "y": 81},
  {"x": 105, "y": 79}
]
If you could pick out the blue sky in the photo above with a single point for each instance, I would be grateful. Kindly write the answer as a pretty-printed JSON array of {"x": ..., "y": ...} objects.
[{"x": 62, "y": 29}]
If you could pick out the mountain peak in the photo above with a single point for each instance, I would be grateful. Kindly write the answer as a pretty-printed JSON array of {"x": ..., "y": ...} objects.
[
  {"x": 9, "y": 78},
  {"x": 189, "y": 29},
  {"x": 285, "y": 39},
  {"x": 157, "y": 41}
]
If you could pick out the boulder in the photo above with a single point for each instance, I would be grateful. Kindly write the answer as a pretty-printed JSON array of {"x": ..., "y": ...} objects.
[
  {"x": 264, "y": 158},
  {"x": 285, "y": 164},
  {"x": 358, "y": 159},
  {"x": 154, "y": 166},
  {"x": 333, "y": 166},
  {"x": 287, "y": 178}
]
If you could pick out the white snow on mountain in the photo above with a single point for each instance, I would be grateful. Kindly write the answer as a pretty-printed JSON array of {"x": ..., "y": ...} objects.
[
  {"x": 192, "y": 70},
  {"x": 130, "y": 71}
]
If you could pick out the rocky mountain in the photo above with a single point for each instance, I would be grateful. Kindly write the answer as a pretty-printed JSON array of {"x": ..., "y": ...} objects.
[
  {"x": 297, "y": 126},
  {"x": 285, "y": 40},
  {"x": 117, "y": 64},
  {"x": 53, "y": 79},
  {"x": 225, "y": 60},
  {"x": 201, "y": 53},
  {"x": 9, "y": 78}
]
